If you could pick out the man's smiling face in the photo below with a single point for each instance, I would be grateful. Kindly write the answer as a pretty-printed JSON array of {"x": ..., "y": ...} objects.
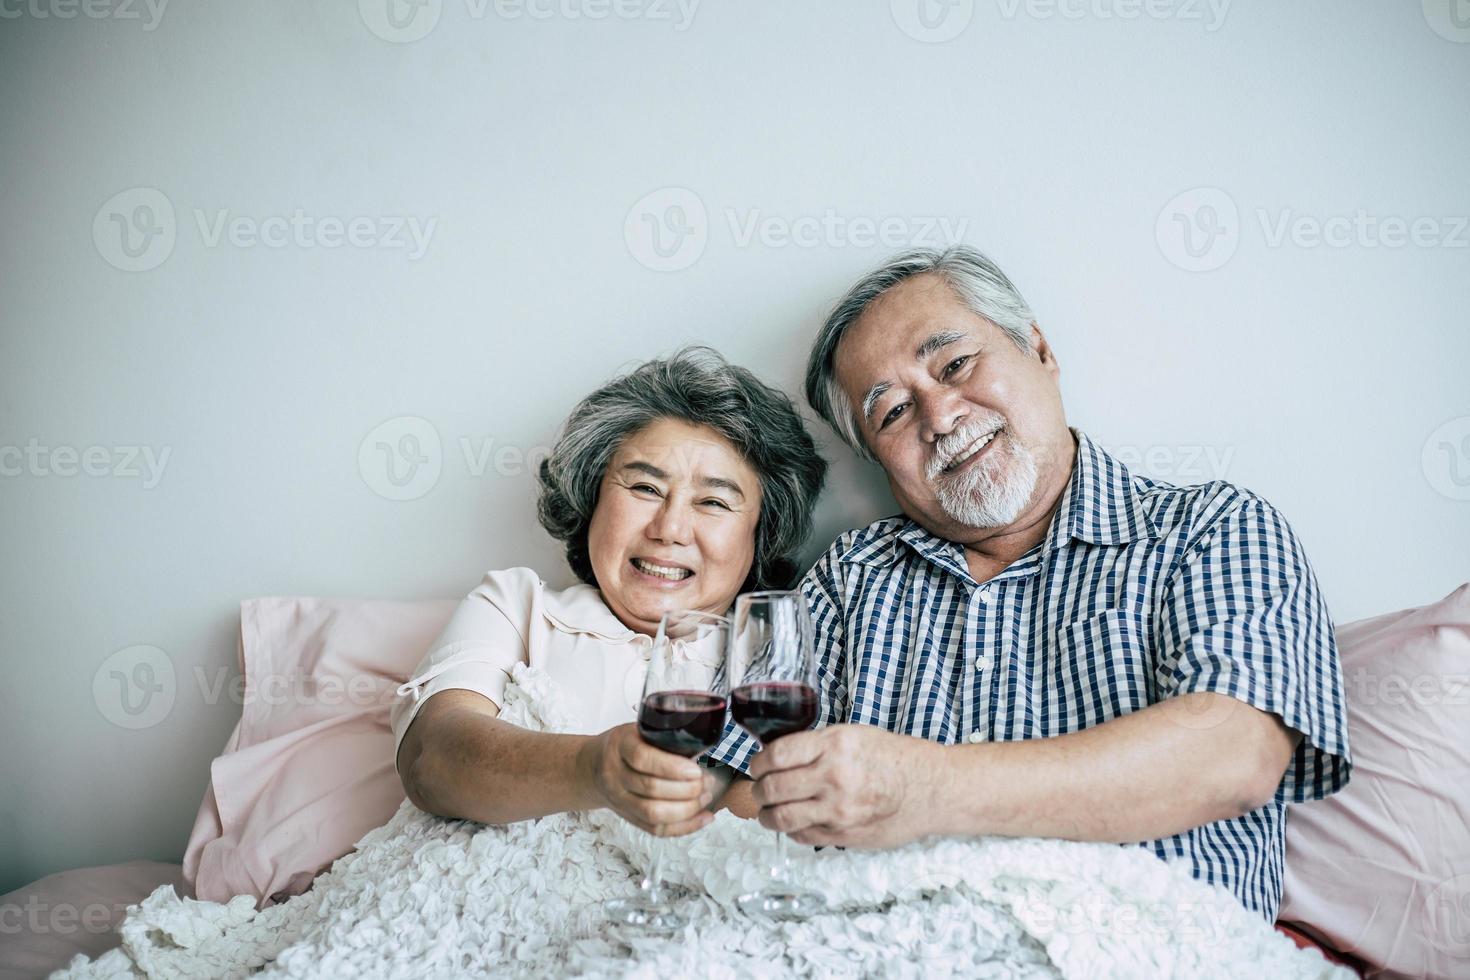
[{"x": 965, "y": 423}]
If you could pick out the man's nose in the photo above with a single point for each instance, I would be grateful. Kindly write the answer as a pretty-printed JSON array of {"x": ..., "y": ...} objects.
[
  {"x": 672, "y": 523},
  {"x": 940, "y": 412}
]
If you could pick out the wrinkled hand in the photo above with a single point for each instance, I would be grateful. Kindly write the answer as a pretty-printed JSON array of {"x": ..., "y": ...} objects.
[
  {"x": 657, "y": 791},
  {"x": 846, "y": 785}
]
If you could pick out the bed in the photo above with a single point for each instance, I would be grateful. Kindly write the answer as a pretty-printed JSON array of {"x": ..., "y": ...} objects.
[{"x": 1378, "y": 877}]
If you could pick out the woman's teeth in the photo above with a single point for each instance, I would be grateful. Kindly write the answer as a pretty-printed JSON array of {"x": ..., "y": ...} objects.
[
  {"x": 662, "y": 571},
  {"x": 970, "y": 452}
]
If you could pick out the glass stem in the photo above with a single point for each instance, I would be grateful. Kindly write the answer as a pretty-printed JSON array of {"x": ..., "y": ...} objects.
[
  {"x": 654, "y": 880},
  {"x": 781, "y": 869}
]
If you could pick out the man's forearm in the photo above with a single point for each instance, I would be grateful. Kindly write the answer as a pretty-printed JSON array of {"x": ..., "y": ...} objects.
[
  {"x": 1142, "y": 776},
  {"x": 739, "y": 798}
]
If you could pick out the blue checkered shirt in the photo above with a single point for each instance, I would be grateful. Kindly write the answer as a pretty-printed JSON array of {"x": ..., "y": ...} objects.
[{"x": 1141, "y": 591}]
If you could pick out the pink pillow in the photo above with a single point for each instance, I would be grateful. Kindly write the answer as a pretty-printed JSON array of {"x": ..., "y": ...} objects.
[
  {"x": 309, "y": 769},
  {"x": 1381, "y": 870}
]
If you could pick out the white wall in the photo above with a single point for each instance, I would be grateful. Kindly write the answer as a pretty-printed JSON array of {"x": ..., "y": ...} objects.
[{"x": 1313, "y": 374}]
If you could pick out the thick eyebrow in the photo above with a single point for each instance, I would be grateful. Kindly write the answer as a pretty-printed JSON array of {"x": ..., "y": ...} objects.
[
  {"x": 648, "y": 468},
  {"x": 871, "y": 398},
  {"x": 715, "y": 482},
  {"x": 720, "y": 483},
  {"x": 938, "y": 342},
  {"x": 931, "y": 345}
]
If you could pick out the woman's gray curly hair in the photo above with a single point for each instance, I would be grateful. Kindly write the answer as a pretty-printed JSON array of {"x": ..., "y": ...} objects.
[{"x": 695, "y": 385}]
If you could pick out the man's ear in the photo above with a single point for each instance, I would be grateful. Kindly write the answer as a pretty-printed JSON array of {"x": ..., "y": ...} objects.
[{"x": 1043, "y": 352}]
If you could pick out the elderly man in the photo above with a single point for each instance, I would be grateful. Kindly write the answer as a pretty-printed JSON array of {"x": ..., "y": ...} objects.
[{"x": 1042, "y": 643}]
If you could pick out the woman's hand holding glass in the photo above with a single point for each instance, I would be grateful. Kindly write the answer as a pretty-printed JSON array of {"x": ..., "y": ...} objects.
[{"x": 664, "y": 794}]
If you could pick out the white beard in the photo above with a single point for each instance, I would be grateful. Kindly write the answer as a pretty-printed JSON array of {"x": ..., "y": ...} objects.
[{"x": 994, "y": 493}]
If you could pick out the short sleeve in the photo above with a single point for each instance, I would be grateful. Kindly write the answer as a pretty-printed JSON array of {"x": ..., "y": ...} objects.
[
  {"x": 478, "y": 647},
  {"x": 737, "y": 747},
  {"x": 1244, "y": 617}
]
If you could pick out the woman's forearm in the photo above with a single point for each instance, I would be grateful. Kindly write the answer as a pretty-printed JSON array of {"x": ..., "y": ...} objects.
[{"x": 465, "y": 763}]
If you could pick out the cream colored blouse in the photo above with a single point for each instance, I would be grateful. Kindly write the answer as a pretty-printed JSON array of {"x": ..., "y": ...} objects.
[{"x": 512, "y": 617}]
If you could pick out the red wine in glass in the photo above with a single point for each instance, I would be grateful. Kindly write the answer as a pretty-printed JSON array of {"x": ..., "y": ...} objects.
[
  {"x": 771, "y": 709},
  {"x": 685, "y": 723}
]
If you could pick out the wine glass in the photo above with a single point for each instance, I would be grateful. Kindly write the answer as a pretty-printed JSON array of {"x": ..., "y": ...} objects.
[
  {"x": 683, "y": 711},
  {"x": 773, "y": 694}
]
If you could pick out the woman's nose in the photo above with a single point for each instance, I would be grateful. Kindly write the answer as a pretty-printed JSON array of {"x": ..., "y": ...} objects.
[{"x": 671, "y": 525}]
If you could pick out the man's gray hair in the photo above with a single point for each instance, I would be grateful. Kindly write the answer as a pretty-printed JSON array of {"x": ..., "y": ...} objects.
[
  {"x": 695, "y": 385},
  {"x": 977, "y": 281}
]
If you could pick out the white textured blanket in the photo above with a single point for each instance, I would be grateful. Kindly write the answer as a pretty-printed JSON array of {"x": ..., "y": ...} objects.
[{"x": 425, "y": 897}]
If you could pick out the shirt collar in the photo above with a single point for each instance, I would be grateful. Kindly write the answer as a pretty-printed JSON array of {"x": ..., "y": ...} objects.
[
  {"x": 580, "y": 609},
  {"x": 1100, "y": 505}
]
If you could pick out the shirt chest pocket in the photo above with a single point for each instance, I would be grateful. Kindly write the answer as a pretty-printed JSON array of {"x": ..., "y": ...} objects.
[{"x": 1099, "y": 668}]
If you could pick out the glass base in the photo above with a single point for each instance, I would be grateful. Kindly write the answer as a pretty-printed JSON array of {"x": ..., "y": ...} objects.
[
  {"x": 654, "y": 918},
  {"x": 782, "y": 904}
]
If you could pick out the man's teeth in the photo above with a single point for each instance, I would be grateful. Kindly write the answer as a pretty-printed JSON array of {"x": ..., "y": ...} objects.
[
  {"x": 970, "y": 452},
  {"x": 662, "y": 571}
]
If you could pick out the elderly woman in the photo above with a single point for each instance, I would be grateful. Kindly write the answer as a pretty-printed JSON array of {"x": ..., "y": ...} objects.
[{"x": 678, "y": 485}]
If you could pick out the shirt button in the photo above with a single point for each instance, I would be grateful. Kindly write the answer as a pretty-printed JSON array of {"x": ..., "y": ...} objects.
[
  {"x": 981, "y": 663},
  {"x": 975, "y": 737},
  {"x": 985, "y": 593}
]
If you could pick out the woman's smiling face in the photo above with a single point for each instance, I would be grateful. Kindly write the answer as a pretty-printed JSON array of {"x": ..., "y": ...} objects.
[{"x": 675, "y": 523}]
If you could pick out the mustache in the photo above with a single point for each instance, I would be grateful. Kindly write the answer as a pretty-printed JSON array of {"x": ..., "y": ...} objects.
[{"x": 950, "y": 446}]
